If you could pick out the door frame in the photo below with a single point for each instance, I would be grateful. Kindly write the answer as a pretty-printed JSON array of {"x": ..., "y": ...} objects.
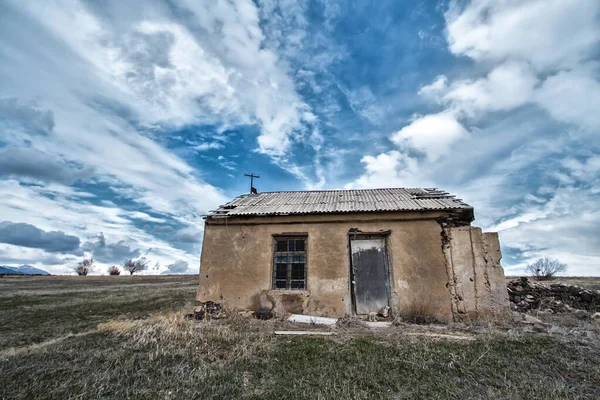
[{"x": 358, "y": 235}]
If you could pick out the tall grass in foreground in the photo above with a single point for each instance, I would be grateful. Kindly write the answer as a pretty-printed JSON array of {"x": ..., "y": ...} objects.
[
  {"x": 213, "y": 341},
  {"x": 101, "y": 341},
  {"x": 165, "y": 356}
]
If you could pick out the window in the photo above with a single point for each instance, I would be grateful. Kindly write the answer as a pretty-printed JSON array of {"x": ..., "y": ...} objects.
[{"x": 289, "y": 263}]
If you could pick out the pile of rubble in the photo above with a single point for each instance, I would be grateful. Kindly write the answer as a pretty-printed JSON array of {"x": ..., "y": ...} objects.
[
  {"x": 526, "y": 295},
  {"x": 207, "y": 309}
]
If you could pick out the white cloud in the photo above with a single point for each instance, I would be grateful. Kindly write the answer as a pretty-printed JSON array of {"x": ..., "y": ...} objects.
[
  {"x": 558, "y": 219},
  {"x": 432, "y": 134},
  {"x": 115, "y": 75},
  {"x": 141, "y": 215},
  {"x": 53, "y": 263},
  {"x": 572, "y": 96},
  {"x": 188, "y": 235},
  {"x": 178, "y": 267},
  {"x": 547, "y": 33},
  {"x": 214, "y": 70},
  {"x": 65, "y": 211},
  {"x": 209, "y": 146},
  {"x": 435, "y": 89},
  {"x": 132, "y": 164},
  {"x": 539, "y": 52},
  {"x": 82, "y": 86},
  {"x": 507, "y": 86},
  {"x": 25, "y": 117},
  {"x": 30, "y": 164},
  {"x": 391, "y": 169},
  {"x": 583, "y": 170},
  {"x": 109, "y": 253},
  {"x": 529, "y": 215},
  {"x": 565, "y": 227},
  {"x": 363, "y": 102},
  {"x": 536, "y": 53}
]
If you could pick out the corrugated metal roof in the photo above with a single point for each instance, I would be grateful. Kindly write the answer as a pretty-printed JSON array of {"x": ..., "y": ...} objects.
[{"x": 341, "y": 201}]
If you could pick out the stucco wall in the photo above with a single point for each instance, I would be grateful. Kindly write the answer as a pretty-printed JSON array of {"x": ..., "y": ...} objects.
[
  {"x": 476, "y": 278},
  {"x": 237, "y": 262}
]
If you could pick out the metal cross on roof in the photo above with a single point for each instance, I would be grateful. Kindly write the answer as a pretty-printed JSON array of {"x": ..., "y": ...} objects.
[{"x": 252, "y": 176}]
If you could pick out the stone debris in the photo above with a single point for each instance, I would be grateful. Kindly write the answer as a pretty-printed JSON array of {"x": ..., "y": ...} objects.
[
  {"x": 377, "y": 324},
  {"x": 264, "y": 313},
  {"x": 526, "y": 295},
  {"x": 530, "y": 322},
  {"x": 313, "y": 333},
  {"x": 526, "y": 319},
  {"x": 246, "y": 313},
  {"x": 207, "y": 309},
  {"x": 311, "y": 319}
]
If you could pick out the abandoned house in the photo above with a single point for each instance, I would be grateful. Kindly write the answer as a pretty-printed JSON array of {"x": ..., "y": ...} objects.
[{"x": 347, "y": 252}]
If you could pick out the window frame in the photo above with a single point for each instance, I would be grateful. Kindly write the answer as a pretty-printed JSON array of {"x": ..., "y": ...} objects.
[{"x": 289, "y": 254}]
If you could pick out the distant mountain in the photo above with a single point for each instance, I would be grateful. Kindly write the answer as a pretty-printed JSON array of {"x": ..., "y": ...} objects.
[
  {"x": 22, "y": 270},
  {"x": 4, "y": 270}
]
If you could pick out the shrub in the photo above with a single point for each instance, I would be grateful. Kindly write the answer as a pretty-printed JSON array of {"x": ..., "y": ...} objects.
[
  {"x": 114, "y": 270},
  {"x": 134, "y": 266},
  {"x": 546, "y": 268},
  {"x": 85, "y": 266}
]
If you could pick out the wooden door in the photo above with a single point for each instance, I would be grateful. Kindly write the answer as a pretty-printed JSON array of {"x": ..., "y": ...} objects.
[{"x": 370, "y": 284}]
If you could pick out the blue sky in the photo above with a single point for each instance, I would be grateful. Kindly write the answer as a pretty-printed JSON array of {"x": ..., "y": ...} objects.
[{"x": 122, "y": 123}]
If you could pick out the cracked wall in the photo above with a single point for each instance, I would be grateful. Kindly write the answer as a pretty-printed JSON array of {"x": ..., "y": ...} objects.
[
  {"x": 475, "y": 276},
  {"x": 449, "y": 273},
  {"x": 237, "y": 263}
]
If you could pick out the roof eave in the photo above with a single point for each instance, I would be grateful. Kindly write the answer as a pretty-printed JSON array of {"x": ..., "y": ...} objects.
[{"x": 465, "y": 214}]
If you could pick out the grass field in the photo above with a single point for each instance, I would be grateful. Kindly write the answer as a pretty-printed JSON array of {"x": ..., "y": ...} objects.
[{"x": 124, "y": 337}]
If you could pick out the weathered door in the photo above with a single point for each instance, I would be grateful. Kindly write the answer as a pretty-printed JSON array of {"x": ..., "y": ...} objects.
[{"x": 370, "y": 274}]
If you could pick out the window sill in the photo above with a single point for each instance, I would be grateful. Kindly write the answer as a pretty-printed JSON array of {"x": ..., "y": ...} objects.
[{"x": 288, "y": 291}]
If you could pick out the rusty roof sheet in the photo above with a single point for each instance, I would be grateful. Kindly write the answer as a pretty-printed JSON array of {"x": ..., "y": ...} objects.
[{"x": 340, "y": 201}]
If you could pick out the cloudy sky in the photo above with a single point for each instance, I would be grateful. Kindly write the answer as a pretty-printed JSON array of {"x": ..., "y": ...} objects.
[{"x": 123, "y": 122}]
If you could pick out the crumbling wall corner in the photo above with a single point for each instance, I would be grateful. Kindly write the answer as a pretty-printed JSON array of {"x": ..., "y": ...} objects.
[
  {"x": 475, "y": 275},
  {"x": 455, "y": 300}
]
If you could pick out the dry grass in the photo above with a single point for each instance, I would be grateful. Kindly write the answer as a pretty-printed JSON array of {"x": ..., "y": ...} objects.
[
  {"x": 147, "y": 350},
  {"x": 206, "y": 338},
  {"x": 37, "y": 347},
  {"x": 36, "y": 309}
]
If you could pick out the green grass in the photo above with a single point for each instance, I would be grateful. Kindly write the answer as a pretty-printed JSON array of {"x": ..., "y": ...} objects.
[
  {"x": 132, "y": 345},
  {"x": 35, "y": 309}
]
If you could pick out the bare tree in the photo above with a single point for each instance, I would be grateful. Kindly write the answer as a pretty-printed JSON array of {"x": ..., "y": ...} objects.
[
  {"x": 546, "y": 268},
  {"x": 134, "y": 266},
  {"x": 114, "y": 270},
  {"x": 85, "y": 266}
]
